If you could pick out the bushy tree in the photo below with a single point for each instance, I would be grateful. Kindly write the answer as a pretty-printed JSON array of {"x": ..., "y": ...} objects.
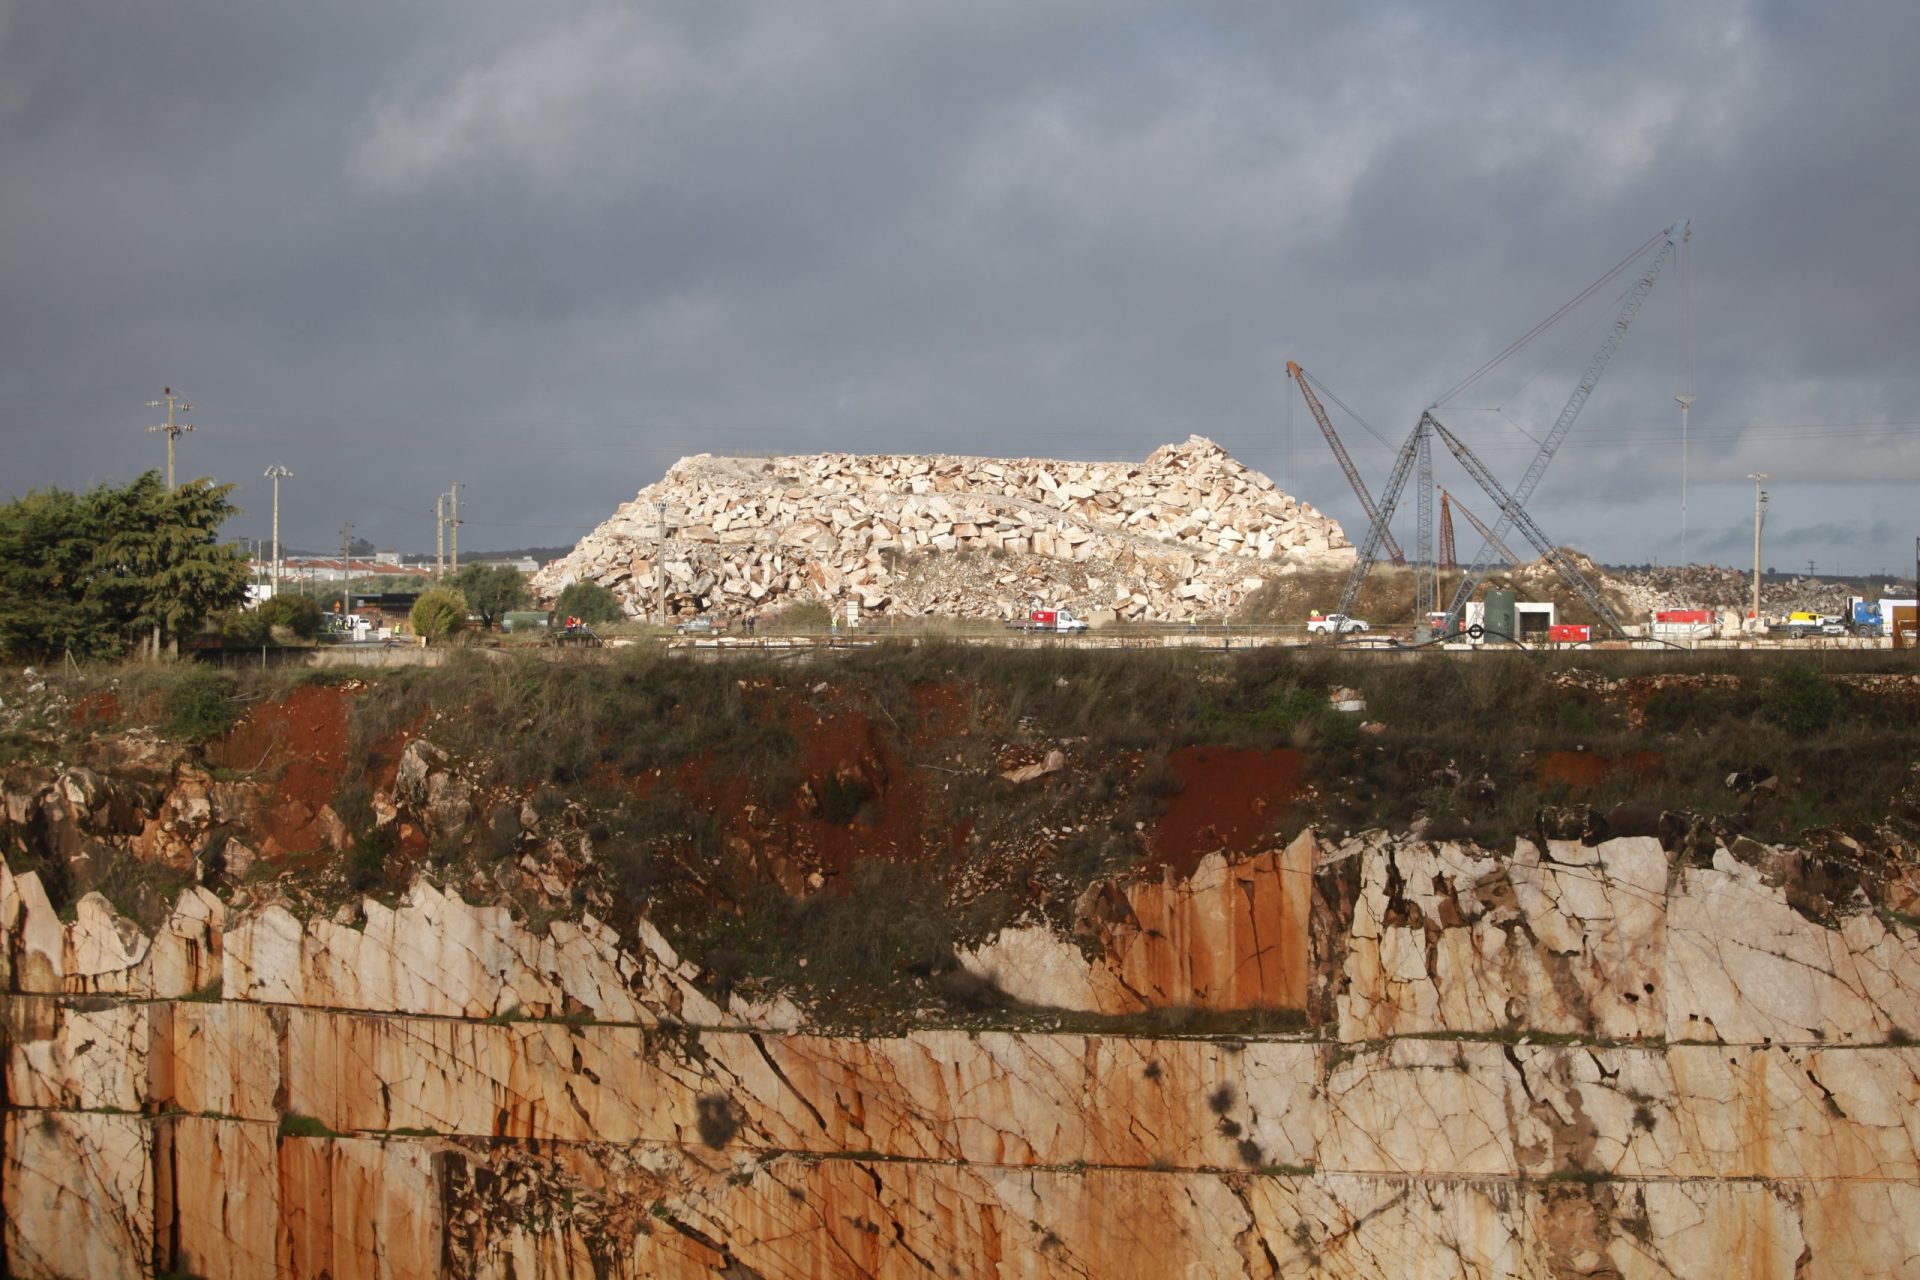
[
  {"x": 90, "y": 574},
  {"x": 439, "y": 613},
  {"x": 492, "y": 590},
  {"x": 588, "y": 601},
  {"x": 244, "y": 628},
  {"x": 298, "y": 614}
]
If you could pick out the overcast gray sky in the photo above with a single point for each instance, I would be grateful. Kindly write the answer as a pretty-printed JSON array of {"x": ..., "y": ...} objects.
[{"x": 547, "y": 249}]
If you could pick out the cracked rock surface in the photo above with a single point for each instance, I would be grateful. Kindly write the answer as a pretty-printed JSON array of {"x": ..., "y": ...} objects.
[{"x": 1554, "y": 1060}]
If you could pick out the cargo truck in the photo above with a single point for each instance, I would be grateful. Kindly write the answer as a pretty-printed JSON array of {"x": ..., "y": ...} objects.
[{"x": 1047, "y": 620}]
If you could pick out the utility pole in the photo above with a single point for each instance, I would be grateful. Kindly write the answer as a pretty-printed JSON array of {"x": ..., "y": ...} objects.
[
  {"x": 175, "y": 406},
  {"x": 1759, "y": 517},
  {"x": 440, "y": 537},
  {"x": 1686, "y": 403},
  {"x": 660, "y": 565},
  {"x": 346, "y": 568},
  {"x": 453, "y": 522},
  {"x": 277, "y": 473}
]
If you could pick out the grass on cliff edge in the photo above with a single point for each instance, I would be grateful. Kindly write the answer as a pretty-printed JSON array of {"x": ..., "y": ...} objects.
[{"x": 1483, "y": 745}]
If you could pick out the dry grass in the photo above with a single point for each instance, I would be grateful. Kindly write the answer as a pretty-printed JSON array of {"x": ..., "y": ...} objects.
[{"x": 1389, "y": 596}]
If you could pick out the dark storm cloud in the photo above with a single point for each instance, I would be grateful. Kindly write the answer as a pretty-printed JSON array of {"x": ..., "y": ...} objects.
[{"x": 546, "y": 250}]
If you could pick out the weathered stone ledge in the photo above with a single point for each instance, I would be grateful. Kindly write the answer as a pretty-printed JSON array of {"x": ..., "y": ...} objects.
[
  {"x": 1614, "y": 943},
  {"x": 1453, "y": 1108},
  {"x": 409, "y": 1206}
]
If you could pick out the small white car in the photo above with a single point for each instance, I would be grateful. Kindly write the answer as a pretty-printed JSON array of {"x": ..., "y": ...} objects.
[{"x": 1335, "y": 624}]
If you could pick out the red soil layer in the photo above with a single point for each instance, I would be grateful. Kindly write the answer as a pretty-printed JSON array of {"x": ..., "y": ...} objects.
[
  {"x": 97, "y": 710},
  {"x": 944, "y": 711},
  {"x": 1232, "y": 801},
  {"x": 847, "y": 746},
  {"x": 1582, "y": 770},
  {"x": 303, "y": 739},
  {"x": 792, "y": 840}
]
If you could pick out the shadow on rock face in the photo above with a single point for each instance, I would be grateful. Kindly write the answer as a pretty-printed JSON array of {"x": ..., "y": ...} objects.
[{"x": 717, "y": 1121}]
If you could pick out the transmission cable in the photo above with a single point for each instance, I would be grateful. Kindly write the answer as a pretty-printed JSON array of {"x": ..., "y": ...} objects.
[
  {"x": 1321, "y": 387},
  {"x": 1540, "y": 328}
]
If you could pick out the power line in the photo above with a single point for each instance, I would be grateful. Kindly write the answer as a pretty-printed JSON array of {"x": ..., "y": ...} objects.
[{"x": 1524, "y": 339}]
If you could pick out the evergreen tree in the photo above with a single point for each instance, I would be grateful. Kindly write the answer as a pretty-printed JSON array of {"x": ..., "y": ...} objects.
[{"x": 90, "y": 574}]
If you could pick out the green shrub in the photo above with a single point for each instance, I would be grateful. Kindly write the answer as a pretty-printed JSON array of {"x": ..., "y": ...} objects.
[
  {"x": 1575, "y": 718},
  {"x": 1674, "y": 709},
  {"x": 440, "y": 612},
  {"x": 588, "y": 601},
  {"x": 1800, "y": 700},
  {"x": 197, "y": 705},
  {"x": 1284, "y": 707},
  {"x": 243, "y": 628},
  {"x": 1339, "y": 730},
  {"x": 298, "y": 614}
]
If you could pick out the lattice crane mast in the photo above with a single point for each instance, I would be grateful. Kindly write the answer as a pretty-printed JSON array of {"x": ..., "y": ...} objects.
[
  {"x": 1445, "y": 560},
  {"x": 1299, "y": 377},
  {"x": 1377, "y": 531},
  {"x": 1513, "y": 513}
]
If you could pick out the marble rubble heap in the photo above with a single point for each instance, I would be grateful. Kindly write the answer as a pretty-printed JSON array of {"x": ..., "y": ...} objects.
[{"x": 1188, "y": 532}]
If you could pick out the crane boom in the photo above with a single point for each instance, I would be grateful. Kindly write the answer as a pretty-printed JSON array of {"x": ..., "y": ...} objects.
[
  {"x": 1510, "y": 515},
  {"x": 1396, "y": 483},
  {"x": 1446, "y": 531},
  {"x": 1481, "y": 528},
  {"x": 1298, "y": 375},
  {"x": 1514, "y": 513}
]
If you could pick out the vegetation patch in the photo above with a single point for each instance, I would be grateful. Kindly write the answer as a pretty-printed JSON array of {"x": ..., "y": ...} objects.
[{"x": 295, "y": 1125}]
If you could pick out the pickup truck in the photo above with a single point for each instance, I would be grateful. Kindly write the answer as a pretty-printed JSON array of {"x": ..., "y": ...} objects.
[
  {"x": 1047, "y": 620},
  {"x": 1334, "y": 624},
  {"x": 699, "y": 627}
]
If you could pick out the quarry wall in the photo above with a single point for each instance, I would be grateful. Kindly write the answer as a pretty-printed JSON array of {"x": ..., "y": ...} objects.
[{"x": 1546, "y": 1060}]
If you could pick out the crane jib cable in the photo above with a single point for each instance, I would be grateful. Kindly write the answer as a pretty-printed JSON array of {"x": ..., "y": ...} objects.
[
  {"x": 1366, "y": 426},
  {"x": 1523, "y": 492},
  {"x": 1514, "y": 347}
]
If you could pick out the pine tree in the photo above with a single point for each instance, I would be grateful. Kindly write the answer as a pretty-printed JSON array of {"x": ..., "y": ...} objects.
[{"x": 89, "y": 574}]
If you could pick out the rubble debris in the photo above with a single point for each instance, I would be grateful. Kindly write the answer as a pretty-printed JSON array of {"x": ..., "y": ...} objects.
[{"x": 1189, "y": 531}]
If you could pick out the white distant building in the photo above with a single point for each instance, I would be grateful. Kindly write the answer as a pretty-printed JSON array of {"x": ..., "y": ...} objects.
[{"x": 317, "y": 569}]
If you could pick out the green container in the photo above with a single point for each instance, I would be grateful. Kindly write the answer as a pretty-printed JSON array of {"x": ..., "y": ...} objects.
[{"x": 1500, "y": 615}]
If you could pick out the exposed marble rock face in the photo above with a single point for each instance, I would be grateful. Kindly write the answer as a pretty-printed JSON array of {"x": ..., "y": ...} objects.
[
  {"x": 1555, "y": 1060},
  {"x": 1188, "y": 531}
]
